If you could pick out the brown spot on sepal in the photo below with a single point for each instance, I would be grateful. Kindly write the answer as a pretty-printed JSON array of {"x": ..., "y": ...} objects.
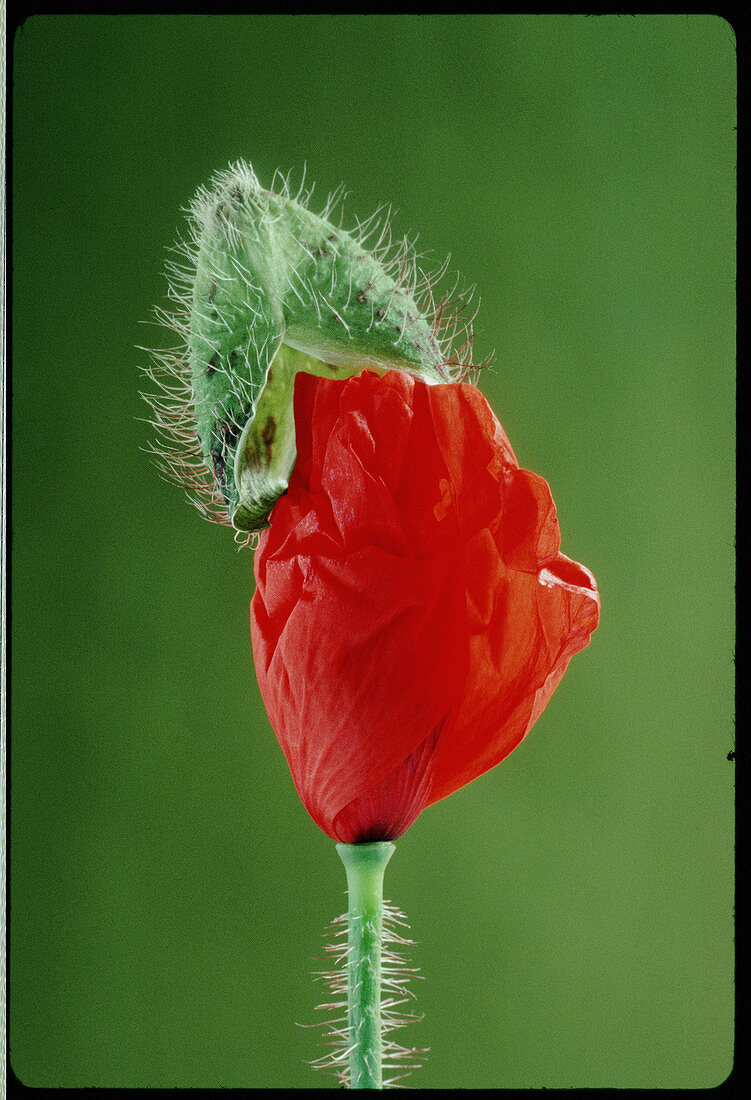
[{"x": 268, "y": 435}]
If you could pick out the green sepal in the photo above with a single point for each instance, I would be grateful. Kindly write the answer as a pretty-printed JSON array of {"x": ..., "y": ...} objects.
[{"x": 279, "y": 289}]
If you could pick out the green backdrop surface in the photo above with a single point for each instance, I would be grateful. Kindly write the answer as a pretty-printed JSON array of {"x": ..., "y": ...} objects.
[{"x": 573, "y": 908}]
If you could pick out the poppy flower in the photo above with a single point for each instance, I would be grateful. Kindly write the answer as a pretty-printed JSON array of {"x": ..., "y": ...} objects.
[{"x": 413, "y": 613}]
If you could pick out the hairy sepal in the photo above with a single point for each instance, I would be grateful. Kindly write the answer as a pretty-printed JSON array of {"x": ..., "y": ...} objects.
[{"x": 269, "y": 289}]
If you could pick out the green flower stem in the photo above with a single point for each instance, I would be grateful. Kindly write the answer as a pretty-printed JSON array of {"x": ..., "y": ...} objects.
[{"x": 365, "y": 864}]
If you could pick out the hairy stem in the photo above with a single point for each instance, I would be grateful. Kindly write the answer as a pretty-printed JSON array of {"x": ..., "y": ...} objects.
[{"x": 365, "y": 865}]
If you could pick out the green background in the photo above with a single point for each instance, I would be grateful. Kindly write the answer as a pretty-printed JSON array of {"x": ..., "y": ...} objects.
[{"x": 573, "y": 909}]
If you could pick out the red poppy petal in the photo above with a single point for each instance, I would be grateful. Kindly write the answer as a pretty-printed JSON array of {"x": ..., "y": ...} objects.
[
  {"x": 521, "y": 643},
  {"x": 412, "y": 613},
  {"x": 368, "y": 661},
  {"x": 388, "y": 808},
  {"x": 531, "y": 536},
  {"x": 474, "y": 449}
]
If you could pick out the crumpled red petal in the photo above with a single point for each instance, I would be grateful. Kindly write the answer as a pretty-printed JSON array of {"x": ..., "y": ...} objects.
[{"x": 412, "y": 613}]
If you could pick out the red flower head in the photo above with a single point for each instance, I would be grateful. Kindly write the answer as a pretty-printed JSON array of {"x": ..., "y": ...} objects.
[{"x": 413, "y": 613}]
